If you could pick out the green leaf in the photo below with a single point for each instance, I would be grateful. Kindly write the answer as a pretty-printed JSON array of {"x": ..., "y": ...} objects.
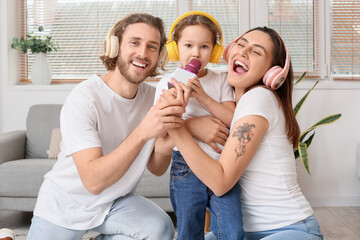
[
  {"x": 324, "y": 121},
  {"x": 36, "y": 43},
  {"x": 304, "y": 156},
  {"x": 302, "y": 100},
  {"x": 309, "y": 140},
  {"x": 301, "y": 78},
  {"x": 296, "y": 153}
]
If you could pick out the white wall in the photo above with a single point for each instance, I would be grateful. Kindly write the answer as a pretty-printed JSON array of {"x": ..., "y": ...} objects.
[{"x": 333, "y": 180}]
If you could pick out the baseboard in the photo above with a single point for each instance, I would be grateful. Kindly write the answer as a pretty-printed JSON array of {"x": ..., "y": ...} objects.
[{"x": 334, "y": 201}]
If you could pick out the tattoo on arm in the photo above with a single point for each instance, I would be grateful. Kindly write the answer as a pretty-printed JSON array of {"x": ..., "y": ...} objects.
[{"x": 244, "y": 134}]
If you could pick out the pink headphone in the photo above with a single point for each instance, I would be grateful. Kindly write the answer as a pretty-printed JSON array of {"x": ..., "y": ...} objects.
[{"x": 275, "y": 76}]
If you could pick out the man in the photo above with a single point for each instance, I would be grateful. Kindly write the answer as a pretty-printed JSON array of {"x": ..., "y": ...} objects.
[{"x": 108, "y": 127}]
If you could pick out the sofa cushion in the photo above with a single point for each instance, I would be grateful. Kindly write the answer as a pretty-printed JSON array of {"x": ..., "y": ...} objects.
[
  {"x": 154, "y": 186},
  {"x": 23, "y": 178},
  {"x": 54, "y": 148},
  {"x": 41, "y": 120}
]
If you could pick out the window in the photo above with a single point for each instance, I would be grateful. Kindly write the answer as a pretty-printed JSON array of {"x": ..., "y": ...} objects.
[
  {"x": 298, "y": 23},
  {"x": 345, "y": 39},
  {"x": 80, "y": 27},
  {"x": 303, "y": 26},
  {"x": 323, "y": 37}
]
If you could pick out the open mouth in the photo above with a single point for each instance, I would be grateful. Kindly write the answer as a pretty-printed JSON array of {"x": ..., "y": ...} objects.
[
  {"x": 139, "y": 64},
  {"x": 240, "y": 67}
]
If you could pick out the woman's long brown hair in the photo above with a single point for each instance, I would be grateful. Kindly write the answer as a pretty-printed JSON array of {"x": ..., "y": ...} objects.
[{"x": 284, "y": 93}]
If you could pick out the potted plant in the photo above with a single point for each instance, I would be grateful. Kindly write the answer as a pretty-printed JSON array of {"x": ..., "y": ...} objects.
[
  {"x": 40, "y": 45},
  {"x": 304, "y": 143}
]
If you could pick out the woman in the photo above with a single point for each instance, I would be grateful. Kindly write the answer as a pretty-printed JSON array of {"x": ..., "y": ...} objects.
[{"x": 259, "y": 151}]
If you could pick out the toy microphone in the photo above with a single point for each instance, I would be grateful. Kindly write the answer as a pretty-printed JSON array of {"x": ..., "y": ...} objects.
[{"x": 184, "y": 74}]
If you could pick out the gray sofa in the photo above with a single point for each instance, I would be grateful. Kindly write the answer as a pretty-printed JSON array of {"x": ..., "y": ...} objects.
[{"x": 24, "y": 162}]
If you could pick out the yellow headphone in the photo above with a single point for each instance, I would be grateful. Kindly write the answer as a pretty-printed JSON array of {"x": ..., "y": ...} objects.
[{"x": 172, "y": 47}]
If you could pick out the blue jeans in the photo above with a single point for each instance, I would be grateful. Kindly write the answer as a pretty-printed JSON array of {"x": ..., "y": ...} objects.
[
  {"x": 307, "y": 229},
  {"x": 131, "y": 217},
  {"x": 190, "y": 198}
]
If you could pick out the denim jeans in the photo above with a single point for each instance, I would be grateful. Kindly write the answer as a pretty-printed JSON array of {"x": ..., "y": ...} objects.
[
  {"x": 307, "y": 229},
  {"x": 190, "y": 198},
  {"x": 130, "y": 217}
]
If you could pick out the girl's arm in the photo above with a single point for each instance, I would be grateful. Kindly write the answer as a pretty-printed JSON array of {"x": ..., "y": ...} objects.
[
  {"x": 238, "y": 151},
  {"x": 222, "y": 111}
]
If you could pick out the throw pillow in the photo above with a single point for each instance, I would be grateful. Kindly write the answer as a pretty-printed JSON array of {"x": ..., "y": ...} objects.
[{"x": 54, "y": 148}]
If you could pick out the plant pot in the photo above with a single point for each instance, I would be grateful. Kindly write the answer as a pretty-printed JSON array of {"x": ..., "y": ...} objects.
[{"x": 40, "y": 70}]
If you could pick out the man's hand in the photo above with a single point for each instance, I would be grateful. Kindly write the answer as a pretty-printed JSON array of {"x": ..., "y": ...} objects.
[
  {"x": 180, "y": 93},
  {"x": 161, "y": 117},
  {"x": 208, "y": 130},
  {"x": 167, "y": 112}
]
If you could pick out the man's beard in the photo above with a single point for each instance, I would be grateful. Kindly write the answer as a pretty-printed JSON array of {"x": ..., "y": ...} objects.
[{"x": 134, "y": 78}]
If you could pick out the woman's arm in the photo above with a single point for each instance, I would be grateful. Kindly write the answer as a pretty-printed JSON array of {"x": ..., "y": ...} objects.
[
  {"x": 239, "y": 149},
  {"x": 161, "y": 155}
]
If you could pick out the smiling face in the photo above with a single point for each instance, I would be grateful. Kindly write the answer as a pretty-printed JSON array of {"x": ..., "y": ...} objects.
[
  {"x": 249, "y": 60},
  {"x": 139, "y": 51},
  {"x": 195, "y": 42}
]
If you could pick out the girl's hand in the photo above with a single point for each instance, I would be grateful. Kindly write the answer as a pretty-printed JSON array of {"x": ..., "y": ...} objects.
[
  {"x": 198, "y": 91},
  {"x": 208, "y": 130}
]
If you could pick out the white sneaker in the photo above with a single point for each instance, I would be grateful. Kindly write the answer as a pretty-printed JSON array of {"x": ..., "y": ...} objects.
[{"x": 6, "y": 234}]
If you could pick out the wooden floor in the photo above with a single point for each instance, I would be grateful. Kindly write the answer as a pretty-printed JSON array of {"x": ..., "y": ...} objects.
[{"x": 337, "y": 223}]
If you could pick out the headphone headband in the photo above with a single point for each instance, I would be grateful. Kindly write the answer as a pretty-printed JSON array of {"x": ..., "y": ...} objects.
[{"x": 195, "y": 13}]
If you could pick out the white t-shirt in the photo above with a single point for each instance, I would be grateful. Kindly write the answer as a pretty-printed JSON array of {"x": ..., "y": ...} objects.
[
  {"x": 92, "y": 116},
  {"x": 271, "y": 196},
  {"x": 216, "y": 86}
]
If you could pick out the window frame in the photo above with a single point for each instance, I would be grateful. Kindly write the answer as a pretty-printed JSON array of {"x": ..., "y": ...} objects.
[{"x": 254, "y": 13}]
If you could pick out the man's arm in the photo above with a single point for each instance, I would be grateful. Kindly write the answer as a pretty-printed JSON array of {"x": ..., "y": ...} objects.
[{"x": 98, "y": 171}]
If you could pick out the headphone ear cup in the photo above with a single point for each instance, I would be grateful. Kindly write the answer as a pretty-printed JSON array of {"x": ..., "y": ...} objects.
[
  {"x": 173, "y": 51},
  {"x": 112, "y": 46},
  {"x": 228, "y": 50},
  {"x": 216, "y": 53},
  {"x": 163, "y": 58},
  {"x": 274, "y": 77}
]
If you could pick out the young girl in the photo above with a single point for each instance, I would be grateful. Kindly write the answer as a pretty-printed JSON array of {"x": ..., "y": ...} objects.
[
  {"x": 195, "y": 36},
  {"x": 259, "y": 151}
]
